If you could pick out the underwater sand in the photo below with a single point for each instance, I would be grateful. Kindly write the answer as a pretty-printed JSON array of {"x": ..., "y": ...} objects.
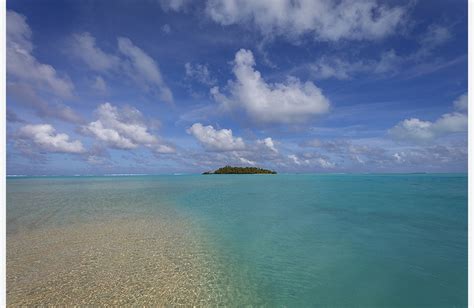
[{"x": 142, "y": 262}]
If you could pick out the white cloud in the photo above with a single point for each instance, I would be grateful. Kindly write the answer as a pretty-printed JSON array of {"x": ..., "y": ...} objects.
[
  {"x": 216, "y": 140},
  {"x": 434, "y": 156},
  {"x": 413, "y": 129},
  {"x": 294, "y": 159},
  {"x": 118, "y": 132},
  {"x": 247, "y": 161},
  {"x": 222, "y": 148},
  {"x": 451, "y": 122},
  {"x": 163, "y": 149},
  {"x": 124, "y": 129},
  {"x": 323, "y": 19},
  {"x": 461, "y": 103},
  {"x": 24, "y": 67},
  {"x": 110, "y": 136},
  {"x": 311, "y": 160},
  {"x": 288, "y": 102},
  {"x": 143, "y": 68},
  {"x": 422, "y": 131},
  {"x": 268, "y": 143},
  {"x": 199, "y": 72},
  {"x": 324, "y": 163},
  {"x": 398, "y": 157},
  {"x": 45, "y": 137},
  {"x": 360, "y": 151},
  {"x": 84, "y": 48}
]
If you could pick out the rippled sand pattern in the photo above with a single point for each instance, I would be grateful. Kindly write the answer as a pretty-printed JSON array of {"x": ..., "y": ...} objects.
[{"x": 155, "y": 261}]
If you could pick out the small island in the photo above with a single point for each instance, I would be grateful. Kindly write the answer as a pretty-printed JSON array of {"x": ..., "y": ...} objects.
[{"x": 240, "y": 170}]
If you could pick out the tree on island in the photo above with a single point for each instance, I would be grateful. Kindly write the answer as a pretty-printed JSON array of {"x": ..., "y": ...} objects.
[{"x": 241, "y": 170}]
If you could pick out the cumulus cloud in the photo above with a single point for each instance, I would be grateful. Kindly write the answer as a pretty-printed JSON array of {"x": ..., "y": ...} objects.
[
  {"x": 200, "y": 73},
  {"x": 311, "y": 160},
  {"x": 421, "y": 131},
  {"x": 418, "y": 130},
  {"x": 216, "y": 139},
  {"x": 324, "y": 163},
  {"x": 269, "y": 144},
  {"x": 143, "y": 68},
  {"x": 370, "y": 154},
  {"x": 377, "y": 154},
  {"x": 215, "y": 159},
  {"x": 24, "y": 67},
  {"x": 124, "y": 129},
  {"x": 45, "y": 137},
  {"x": 118, "y": 132},
  {"x": 223, "y": 148},
  {"x": 288, "y": 102},
  {"x": 323, "y": 19}
]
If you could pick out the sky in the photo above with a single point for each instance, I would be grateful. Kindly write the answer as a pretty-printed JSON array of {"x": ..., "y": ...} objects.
[{"x": 182, "y": 86}]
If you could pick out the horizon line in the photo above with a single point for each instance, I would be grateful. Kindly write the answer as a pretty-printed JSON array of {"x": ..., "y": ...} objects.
[{"x": 198, "y": 173}]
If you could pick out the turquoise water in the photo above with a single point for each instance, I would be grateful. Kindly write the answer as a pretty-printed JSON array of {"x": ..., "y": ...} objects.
[{"x": 295, "y": 240}]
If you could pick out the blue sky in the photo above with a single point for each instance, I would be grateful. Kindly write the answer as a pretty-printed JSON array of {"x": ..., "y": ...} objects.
[{"x": 102, "y": 87}]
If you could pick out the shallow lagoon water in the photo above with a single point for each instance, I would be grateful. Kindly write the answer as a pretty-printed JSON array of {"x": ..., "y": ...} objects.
[{"x": 287, "y": 240}]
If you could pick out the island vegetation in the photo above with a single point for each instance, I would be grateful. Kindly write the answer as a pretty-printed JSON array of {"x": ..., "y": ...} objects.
[{"x": 241, "y": 170}]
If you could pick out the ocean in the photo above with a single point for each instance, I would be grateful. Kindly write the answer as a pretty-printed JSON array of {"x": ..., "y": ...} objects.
[{"x": 295, "y": 240}]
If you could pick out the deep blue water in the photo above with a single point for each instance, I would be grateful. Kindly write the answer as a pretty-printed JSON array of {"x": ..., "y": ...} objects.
[{"x": 396, "y": 240}]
